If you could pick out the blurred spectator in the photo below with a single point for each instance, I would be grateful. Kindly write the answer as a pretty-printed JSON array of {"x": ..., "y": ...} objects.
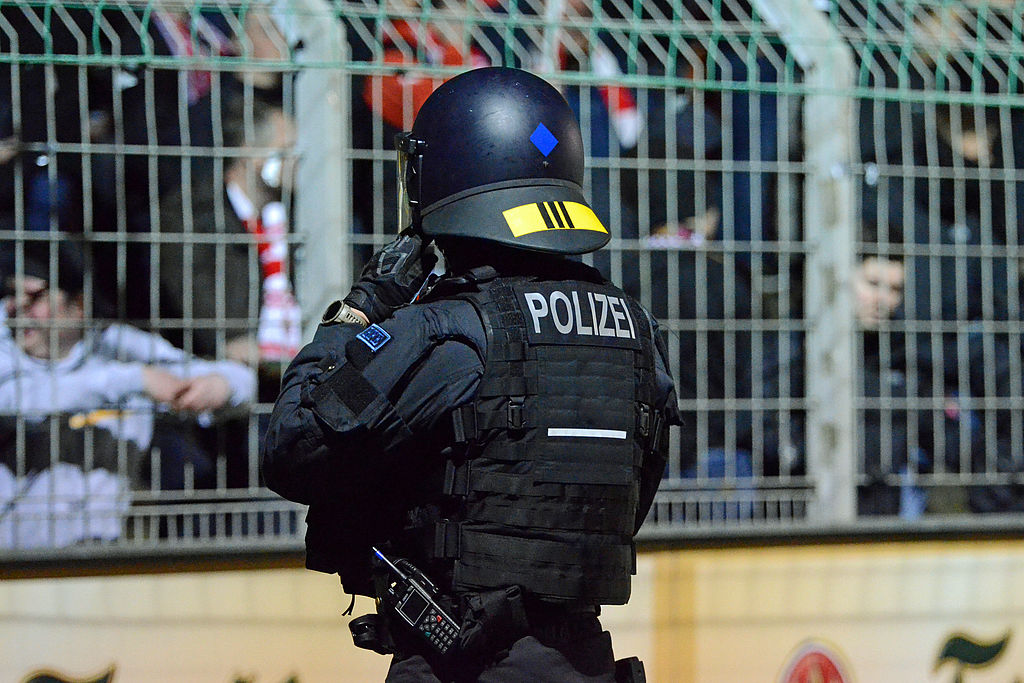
[
  {"x": 41, "y": 108},
  {"x": 886, "y": 433},
  {"x": 964, "y": 164},
  {"x": 608, "y": 113},
  {"x": 174, "y": 106},
  {"x": 961, "y": 147},
  {"x": 708, "y": 315},
  {"x": 135, "y": 87},
  {"x": 144, "y": 108},
  {"x": 946, "y": 172},
  {"x": 164, "y": 108},
  {"x": 910, "y": 417},
  {"x": 683, "y": 196},
  {"x": 85, "y": 405},
  {"x": 705, "y": 165},
  {"x": 210, "y": 288},
  {"x": 953, "y": 287},
  {"x": 713, "y": 375},
  {"x": 993, "y": 364},
  {"x": 949, "y": 276},
  {"x": 713, "y": 353},
  {"x": 258, "y": 189},
  {"x": 751, "y": 118},
  {"x": 396, "y": 98},
  {"x": 385, "y": 104},
  {"x": 685, "y": 199}
]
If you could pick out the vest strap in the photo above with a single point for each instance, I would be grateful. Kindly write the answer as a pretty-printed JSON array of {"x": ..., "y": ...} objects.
[
  {"x": 598, "y": 573},
  {"x": 464, "y": 424},
  {"x": 447, "y": 540},
  {"x": 613, "y": 515},
  {"x": 456, "y": 479}
]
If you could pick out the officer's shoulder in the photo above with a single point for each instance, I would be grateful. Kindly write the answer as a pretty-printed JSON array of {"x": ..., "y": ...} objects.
[
  {"x": 437, "y": 315},
  {"x": 443, "y": 306}
]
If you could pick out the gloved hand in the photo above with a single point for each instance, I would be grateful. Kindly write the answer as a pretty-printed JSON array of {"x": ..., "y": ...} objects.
[{"x": 392, "y": 277}]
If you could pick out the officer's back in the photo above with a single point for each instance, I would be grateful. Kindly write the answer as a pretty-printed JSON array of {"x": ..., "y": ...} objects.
[{"x": 481, "y": 459}]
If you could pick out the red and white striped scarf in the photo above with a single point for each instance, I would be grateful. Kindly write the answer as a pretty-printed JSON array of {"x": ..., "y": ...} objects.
[{"x": 622, "y": 110}]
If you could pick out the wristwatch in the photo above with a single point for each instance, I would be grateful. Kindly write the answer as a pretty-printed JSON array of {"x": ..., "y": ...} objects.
[{"x": 340, "y": 312}]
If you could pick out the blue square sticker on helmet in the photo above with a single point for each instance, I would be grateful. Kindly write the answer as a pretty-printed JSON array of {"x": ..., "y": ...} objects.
[{"x": 543, "y": 139}]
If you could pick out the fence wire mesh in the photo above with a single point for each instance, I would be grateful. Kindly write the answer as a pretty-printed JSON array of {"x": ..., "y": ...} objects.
[{"x": 211, "y": 174}]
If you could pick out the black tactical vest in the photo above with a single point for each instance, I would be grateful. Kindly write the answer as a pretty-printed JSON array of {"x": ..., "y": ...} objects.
[{"x": 543, "y": 473}]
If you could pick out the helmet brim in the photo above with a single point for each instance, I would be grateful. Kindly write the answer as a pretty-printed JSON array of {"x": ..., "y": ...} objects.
[{"x": 544, "y": 215}]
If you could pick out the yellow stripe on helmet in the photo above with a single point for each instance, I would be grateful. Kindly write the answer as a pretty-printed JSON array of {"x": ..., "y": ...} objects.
[{"x": 539, "y": 216}]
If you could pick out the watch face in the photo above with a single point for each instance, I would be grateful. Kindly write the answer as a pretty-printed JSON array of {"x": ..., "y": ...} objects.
[{"x": 332, "y": 311}]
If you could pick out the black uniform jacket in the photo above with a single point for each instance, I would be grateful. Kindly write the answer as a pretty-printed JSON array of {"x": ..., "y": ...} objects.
[{"x": 358, "y": 471}]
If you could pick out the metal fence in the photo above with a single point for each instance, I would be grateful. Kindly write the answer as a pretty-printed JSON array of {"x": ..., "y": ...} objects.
[{"x": 818, "y": 200}]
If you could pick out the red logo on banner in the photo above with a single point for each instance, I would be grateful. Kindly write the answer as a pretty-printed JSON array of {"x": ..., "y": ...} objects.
[{"x": 814, "y": 662}]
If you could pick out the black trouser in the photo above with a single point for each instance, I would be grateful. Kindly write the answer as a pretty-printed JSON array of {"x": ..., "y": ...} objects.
[{"x": 560, "y": 649}]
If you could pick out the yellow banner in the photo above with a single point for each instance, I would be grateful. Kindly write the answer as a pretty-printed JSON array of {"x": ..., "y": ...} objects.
[
  {"x": 936, "y": 612},
  {"x": 259, "y": 626},
  {"x": 873, "y": 613}
]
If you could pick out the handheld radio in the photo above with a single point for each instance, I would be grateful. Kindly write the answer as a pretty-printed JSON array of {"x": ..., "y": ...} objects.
[{"x": 412, "y": 596}]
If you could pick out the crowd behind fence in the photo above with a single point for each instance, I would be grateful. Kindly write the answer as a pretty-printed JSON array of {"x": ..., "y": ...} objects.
[{"x": 820, "y": 201}]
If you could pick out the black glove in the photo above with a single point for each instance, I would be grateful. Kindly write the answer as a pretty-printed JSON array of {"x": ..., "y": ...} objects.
[{"x": 392, "y": 277}]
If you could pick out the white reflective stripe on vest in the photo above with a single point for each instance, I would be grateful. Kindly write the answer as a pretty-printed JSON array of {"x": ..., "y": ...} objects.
[{"x": 590, "y": 433}]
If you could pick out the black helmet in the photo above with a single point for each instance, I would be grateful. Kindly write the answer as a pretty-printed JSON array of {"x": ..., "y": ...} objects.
[{"x": 496, "y": 154}]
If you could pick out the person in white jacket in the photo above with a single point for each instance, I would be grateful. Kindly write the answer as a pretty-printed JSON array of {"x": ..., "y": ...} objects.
[{"x": 80, "y": 402}]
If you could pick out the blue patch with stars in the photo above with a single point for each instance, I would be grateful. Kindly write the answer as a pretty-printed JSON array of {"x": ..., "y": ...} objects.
[
  {"x": 374, "y": 336},
  {"x": 543, "y": 139}
]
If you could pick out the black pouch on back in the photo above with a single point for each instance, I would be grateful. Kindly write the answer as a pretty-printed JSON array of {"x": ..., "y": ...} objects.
[
  {"x": 371, "y": 632},
  {"x": 492, "y": 621}
]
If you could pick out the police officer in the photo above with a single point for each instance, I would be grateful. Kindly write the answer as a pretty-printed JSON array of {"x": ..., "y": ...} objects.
[{"x": 498, "y": 442}]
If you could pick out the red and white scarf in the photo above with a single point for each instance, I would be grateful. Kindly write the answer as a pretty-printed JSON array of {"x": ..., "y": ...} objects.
[
  {"x": 280, "y": 328},
  {"x": 206, "y": 41}
]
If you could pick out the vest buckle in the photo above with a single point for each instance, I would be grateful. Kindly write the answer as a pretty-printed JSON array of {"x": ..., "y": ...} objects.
[
  {"x": 515, "y": 412},
  {"x": 643, "y": 419}
]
